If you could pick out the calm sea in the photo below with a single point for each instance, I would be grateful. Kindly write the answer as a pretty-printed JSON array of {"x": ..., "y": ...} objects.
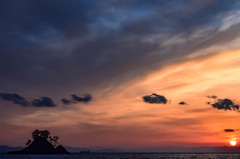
[{"x": 127, "y": 156}]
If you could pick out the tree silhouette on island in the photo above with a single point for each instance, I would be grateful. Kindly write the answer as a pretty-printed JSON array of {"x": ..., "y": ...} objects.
[{"x": 42, "y": 143}]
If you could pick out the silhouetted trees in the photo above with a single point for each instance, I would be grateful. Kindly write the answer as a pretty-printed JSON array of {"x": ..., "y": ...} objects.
[
  {"x": 53, "y": 140},
  {"x": 28, "y": 142},
  {"x": 43, "y": 134},
  {"x": 40, "y": 133}
]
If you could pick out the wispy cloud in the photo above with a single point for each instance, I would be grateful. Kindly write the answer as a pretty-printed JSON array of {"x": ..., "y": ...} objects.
[
  {"x": 43, "y": 102},
  {"x": 19, "y": 100},
  {"x": 15, "y": 98},
  {"x": 76, "y": 99}
]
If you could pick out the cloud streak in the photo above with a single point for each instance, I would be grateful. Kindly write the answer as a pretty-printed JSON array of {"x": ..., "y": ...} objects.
[
  {"x": 212, "y": 97},
  {"x": 66, "y": 101},
  {"x": 43, "y": 102},
  {"x": 76, "y": 99},
  {"x": 15, "y": 98},
  {"x": 85, "y": 99},
  {"x": 19, "y": 100}
]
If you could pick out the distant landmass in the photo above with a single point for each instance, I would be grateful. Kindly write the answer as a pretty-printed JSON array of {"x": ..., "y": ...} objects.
[
  {"x": 224, "y": 149},
  {"x": 5, "y": 148}
]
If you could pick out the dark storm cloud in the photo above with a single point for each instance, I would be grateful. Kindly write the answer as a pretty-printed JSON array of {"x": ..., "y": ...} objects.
[
  {"x": 55, "y": 45},
  {"x": 15, "y": 98},
  {"x": 43, "y": 17},
  {"x": 225, "y": 104},
  {"x": 43, "y": 102},
  {"x": 155, "y": 99},
  {"x": 182, "y": 103},
  {"x": 229, "y": 130}
]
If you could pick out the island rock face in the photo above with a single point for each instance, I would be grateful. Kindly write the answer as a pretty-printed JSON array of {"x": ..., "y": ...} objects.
[
  {"x": 41, "y": 146},
  {"x": 61, "y": 149}
]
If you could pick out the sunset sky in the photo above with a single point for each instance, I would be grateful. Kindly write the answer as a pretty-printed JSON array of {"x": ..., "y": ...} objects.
[{"x": 120, "y": 73}]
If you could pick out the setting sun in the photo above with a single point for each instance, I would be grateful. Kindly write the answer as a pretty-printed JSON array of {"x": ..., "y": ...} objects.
[{"x": 233, "y": 143}]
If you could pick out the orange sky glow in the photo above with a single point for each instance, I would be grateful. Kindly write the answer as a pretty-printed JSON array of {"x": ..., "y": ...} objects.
[{"x": 125, "y": 120}]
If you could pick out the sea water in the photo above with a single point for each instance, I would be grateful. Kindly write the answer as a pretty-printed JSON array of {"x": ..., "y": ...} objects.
[{"x": 126, "y": 156}]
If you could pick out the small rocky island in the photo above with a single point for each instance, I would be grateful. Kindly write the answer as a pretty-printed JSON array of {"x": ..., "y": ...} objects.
[{"x": 42, "y": 144}]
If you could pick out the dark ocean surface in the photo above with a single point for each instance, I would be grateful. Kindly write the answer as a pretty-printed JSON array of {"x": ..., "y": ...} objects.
[{"x": 127, "y": 156}]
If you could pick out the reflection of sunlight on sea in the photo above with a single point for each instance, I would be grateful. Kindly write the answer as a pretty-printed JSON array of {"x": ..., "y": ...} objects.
[{"x": 125, "y": 156}]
